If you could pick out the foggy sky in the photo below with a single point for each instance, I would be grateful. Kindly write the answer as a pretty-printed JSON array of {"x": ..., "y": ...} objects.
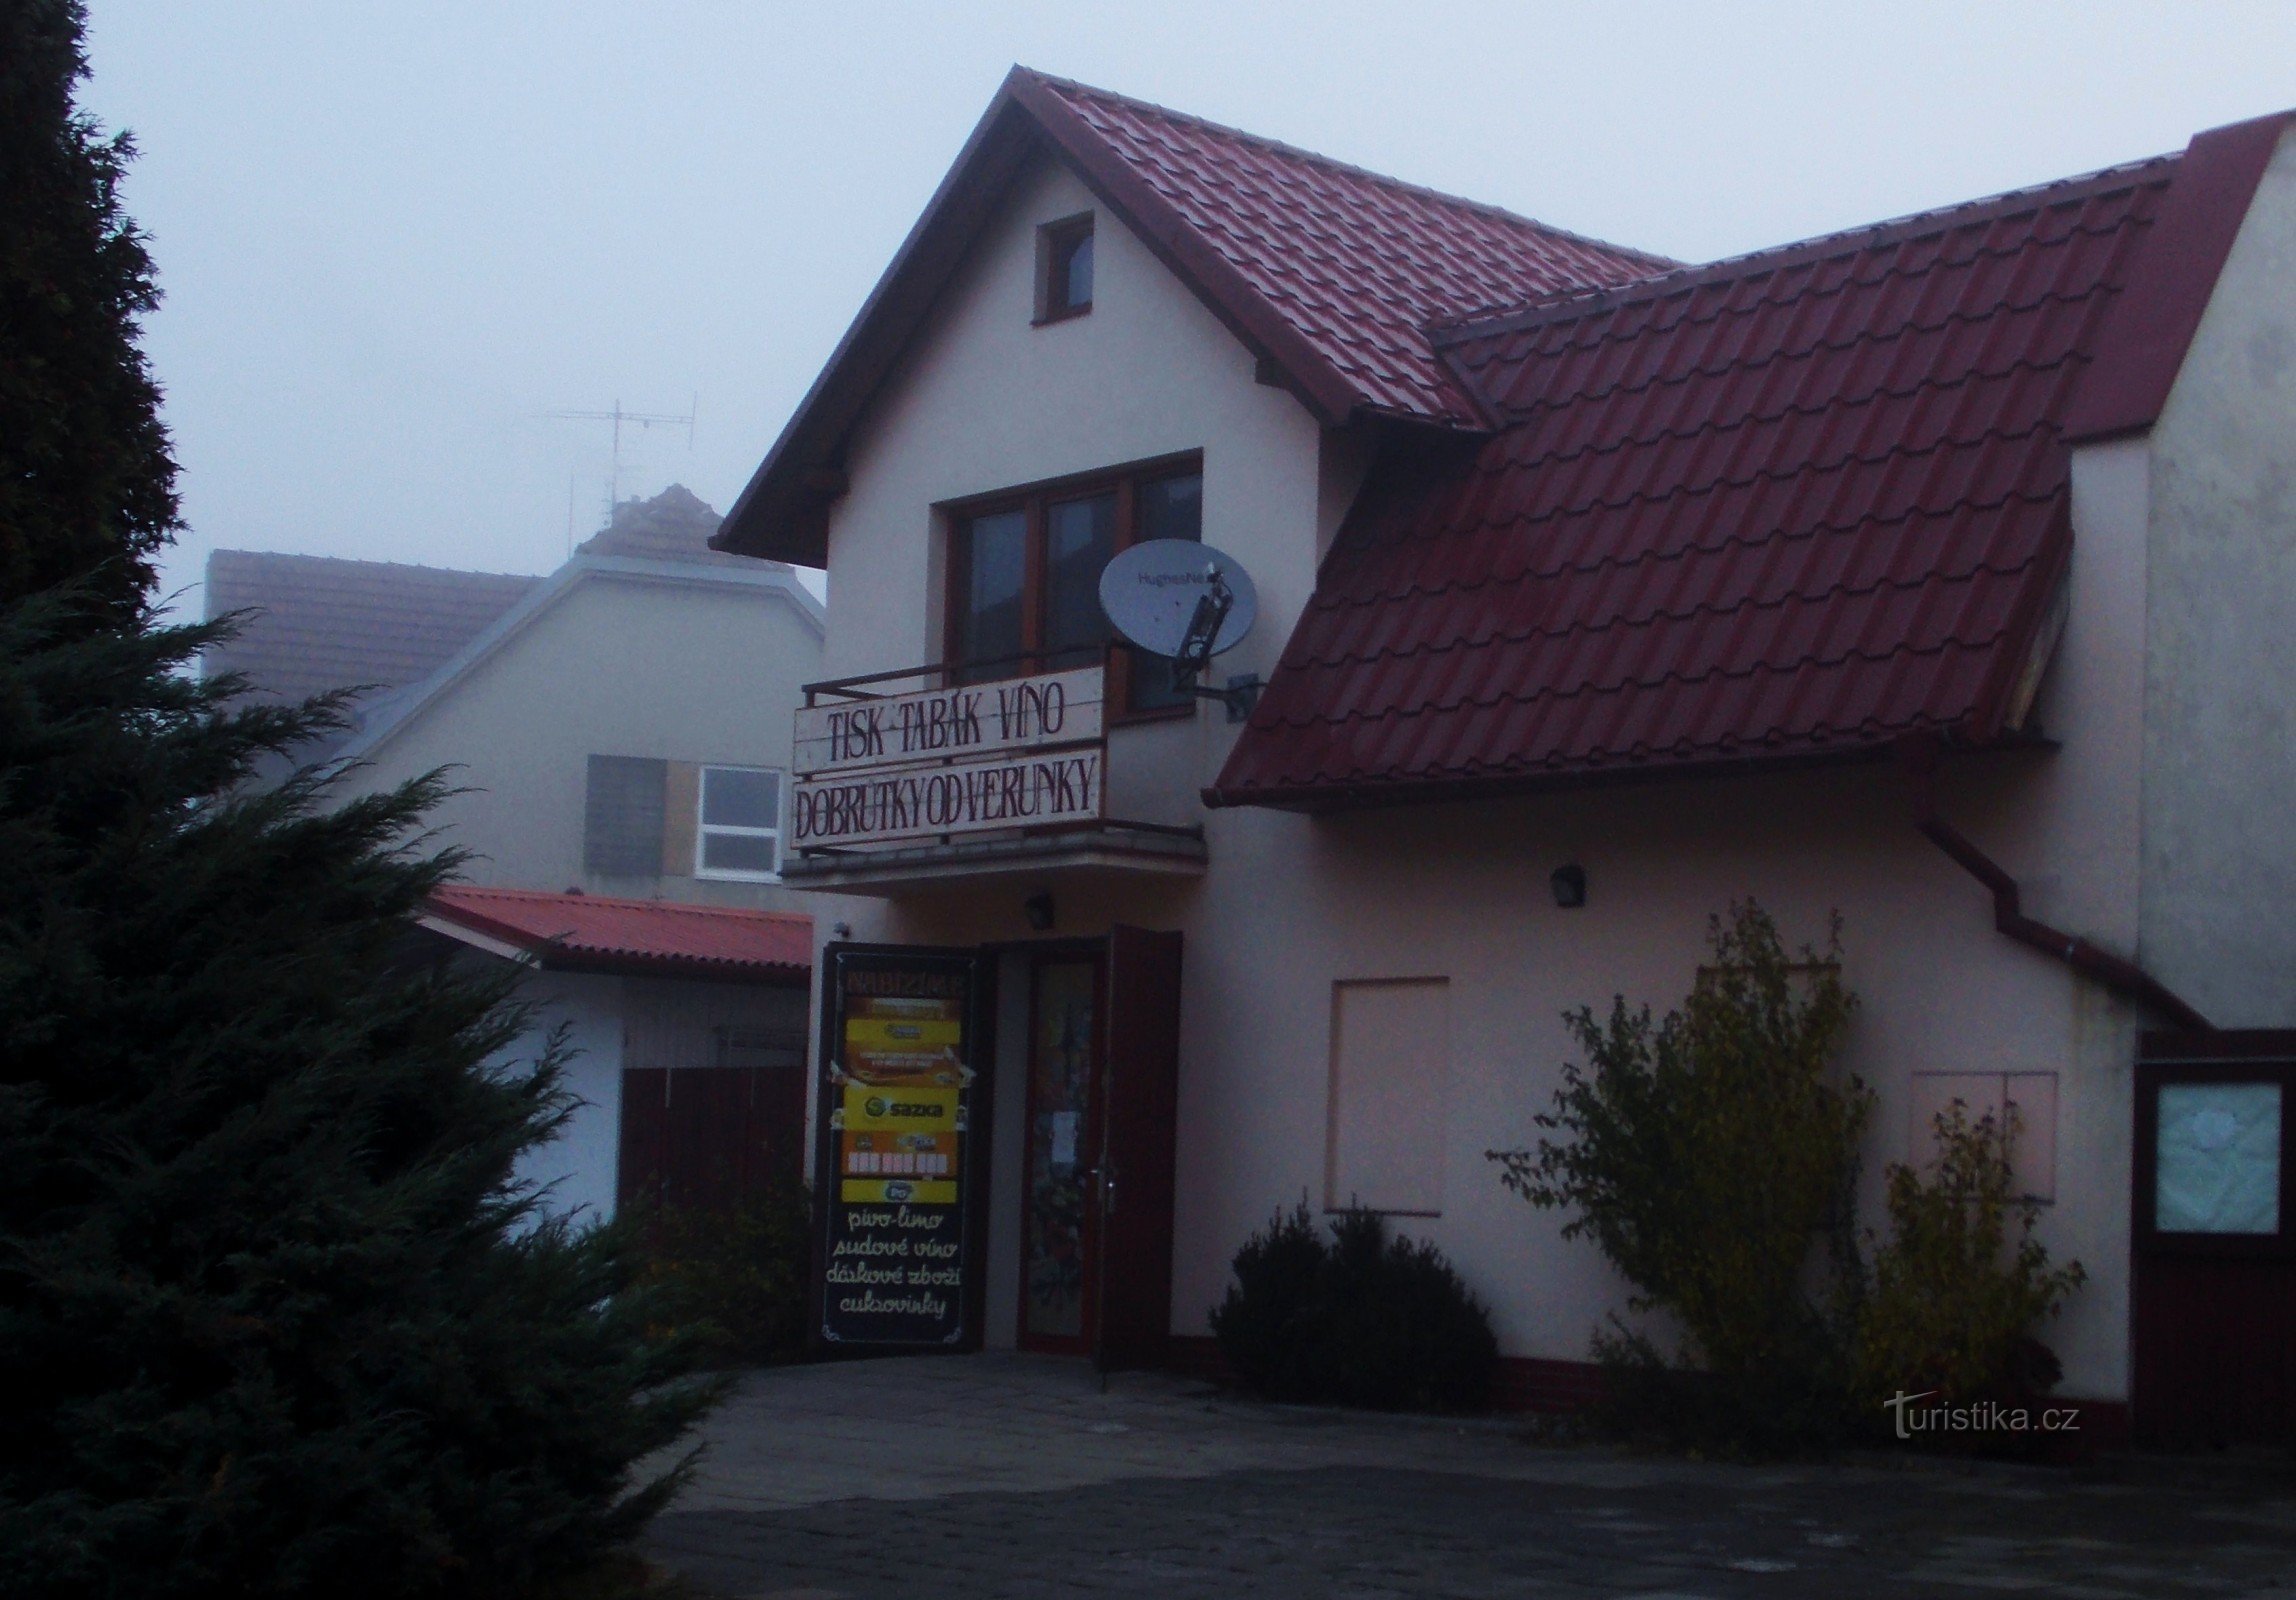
[{"x": 394, "y": 236}]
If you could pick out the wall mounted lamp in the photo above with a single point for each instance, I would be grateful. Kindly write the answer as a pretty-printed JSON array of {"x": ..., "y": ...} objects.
[
  {"x": 1569, "y": 885},
  {"x": 1038, "y": 909}
]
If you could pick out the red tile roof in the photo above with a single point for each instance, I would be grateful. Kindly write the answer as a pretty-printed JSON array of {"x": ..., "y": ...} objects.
[
  {"x": 1329, "y": 273},
  {"x": 1354, "y": 264},
  {"x": 597, "y": 933},
  {"x": 1788, "y": 507}
]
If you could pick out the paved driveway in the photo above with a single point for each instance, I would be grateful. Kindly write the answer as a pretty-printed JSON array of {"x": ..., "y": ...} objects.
[{"x": 1018, "y": 1477}]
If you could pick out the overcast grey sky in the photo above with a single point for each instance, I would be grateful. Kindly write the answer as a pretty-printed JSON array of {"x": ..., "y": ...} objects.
[{"x": 394, "y": 236}]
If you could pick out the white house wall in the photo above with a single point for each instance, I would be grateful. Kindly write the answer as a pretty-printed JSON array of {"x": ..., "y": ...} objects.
[
  {"x": 2220, "y": 745},
  {"x": 1291, "y": 904},
  {"x": 577, "y": 1170},
  {"x": 618, "y": 666},
  {"x": 986, "y": 402}
]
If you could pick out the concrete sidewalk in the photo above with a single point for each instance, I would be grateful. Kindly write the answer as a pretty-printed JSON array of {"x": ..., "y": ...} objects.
[{"x": 999, "y": 1475}]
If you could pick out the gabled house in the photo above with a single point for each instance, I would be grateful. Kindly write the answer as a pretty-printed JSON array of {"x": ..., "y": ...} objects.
[
  {"x": 1930, "y": 572},
  {"x": 624, "y": 832}
]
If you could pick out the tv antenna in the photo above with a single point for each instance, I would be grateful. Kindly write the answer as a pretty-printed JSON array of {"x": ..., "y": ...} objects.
[{"x": 641, "y": 419}]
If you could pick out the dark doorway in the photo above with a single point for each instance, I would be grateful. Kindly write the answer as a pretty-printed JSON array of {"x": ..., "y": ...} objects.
[{"x": 2214, "y": 1262}]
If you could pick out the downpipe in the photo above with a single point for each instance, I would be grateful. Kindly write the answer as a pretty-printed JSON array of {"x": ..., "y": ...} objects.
[{"x": 2122, "y": 976}]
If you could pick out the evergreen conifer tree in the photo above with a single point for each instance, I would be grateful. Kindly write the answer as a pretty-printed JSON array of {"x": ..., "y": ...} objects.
[
  {"x": 275, "y": 1317},
  {"x": 87, "y": 487}
]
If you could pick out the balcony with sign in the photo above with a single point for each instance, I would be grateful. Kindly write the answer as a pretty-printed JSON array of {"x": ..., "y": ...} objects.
[{"x": 929, "y": 776}]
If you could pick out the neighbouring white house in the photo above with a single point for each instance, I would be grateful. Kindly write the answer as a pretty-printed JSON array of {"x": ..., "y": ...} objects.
[
  {"x": 624, "y": 829},
  {"x": 1936, "y": 572}
]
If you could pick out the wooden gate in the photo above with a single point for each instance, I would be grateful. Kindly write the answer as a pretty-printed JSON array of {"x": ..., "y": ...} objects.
[
  {"x": 713, "y": 1093},
  {"x": 709, "y": 1137},
  {"x": 2214, "y": 1240}
]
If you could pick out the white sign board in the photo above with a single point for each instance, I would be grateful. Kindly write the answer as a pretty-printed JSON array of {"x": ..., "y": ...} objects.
[
  {"x": 975, "y": 719},
  {"x": 981, "y": 795}
]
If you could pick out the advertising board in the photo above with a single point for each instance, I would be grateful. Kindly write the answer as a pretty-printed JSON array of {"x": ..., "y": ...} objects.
[
  {"x": 968, "y": 720},
  {"x": 977, "y": 796},
  {"x": 899, "y": 1148}
]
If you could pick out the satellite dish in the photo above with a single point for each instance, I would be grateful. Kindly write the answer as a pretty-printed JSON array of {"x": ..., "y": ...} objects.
[{"x": 1179, "y": 599}]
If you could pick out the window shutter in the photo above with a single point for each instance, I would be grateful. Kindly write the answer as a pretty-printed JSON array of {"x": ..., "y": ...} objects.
[
  {"x": 622, "y": 816},
  {"x": 681, "y": 804}
]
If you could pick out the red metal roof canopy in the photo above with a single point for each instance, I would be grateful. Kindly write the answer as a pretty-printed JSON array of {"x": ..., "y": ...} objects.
[{"x": 597, "y": 933}]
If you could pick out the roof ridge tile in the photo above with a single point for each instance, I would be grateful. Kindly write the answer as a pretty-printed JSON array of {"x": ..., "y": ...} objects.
[{"x": 1801, "y": 253}]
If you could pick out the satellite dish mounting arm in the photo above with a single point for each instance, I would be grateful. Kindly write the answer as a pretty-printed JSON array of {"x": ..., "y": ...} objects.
[{"x": 1195, "y": 653}]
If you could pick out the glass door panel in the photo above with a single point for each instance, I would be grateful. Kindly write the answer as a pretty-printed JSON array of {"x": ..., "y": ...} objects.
[
  {"x": 1060, "y": 1224},
  {"x": 2217, "y": 1159}
]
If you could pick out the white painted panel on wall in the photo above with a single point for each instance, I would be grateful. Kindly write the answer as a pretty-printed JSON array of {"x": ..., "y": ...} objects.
[
  {"x": 2033, "y": 1161},
  {"x": 1390, "y": 1079}
]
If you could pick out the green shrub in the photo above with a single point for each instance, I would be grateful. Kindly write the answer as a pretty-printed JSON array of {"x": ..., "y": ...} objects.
[
  {"x": 1365, "y": 1320},
  {"x": 1264, "y": 1325},
  {"x": 1953, "y": 1300},
  {"x": 734, "y": 1282},
  {"x": 1402, "y": 1332},
  {"x": 1709, "y": 1156}
]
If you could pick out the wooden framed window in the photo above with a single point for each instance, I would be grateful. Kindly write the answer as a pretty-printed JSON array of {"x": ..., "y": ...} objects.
[
  {"x": 1064, "y": 269},
  {"x": 1024, "y": 576},
  {"x": 2210, "y": 1173}
]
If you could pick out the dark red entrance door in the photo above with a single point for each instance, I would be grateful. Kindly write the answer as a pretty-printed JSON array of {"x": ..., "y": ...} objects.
[
  {"x": 1096, "y": 1226},
  {"x": 1138, "y": 1136},
  {"x": 2214, "y": 1264}
]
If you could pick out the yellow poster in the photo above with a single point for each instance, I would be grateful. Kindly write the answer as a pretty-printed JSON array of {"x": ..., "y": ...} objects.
[
  {"x": 903, "y": 1035},
  {"x": 893, "y": 1041},
  {"x": 900, "y": 1108}
]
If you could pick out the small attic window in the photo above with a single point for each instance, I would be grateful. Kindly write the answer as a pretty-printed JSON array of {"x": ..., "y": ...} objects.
[{"x": 1064, "y": 268}]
